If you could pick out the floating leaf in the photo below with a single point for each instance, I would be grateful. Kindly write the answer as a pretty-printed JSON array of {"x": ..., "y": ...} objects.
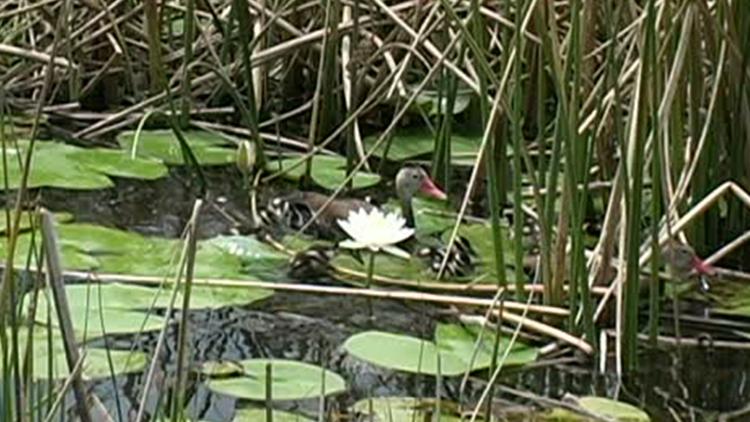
[
  {"x": 55, "y": 164},
  {"x": 414, "y": 143},
  {"x": 27, "y": 218},
  {"x": 291, "y": 380},
  {"x": 327, "y": 171},
  {"x": 400, "y": 409},
  {"x": 91, "y": 247},
  {"x": 454, "y": 346},
  {"x": 118, "y": 163},
  {"x": 403, "y": 353},
  {"x": 122, "y": 308},
  {"x": 96, "y": 363},
  {"x": 221, "y": 368},
  {"x": 462, "y": 342},
  {"x": 255, "y": 414},
  {"x": 163, "y": 145},
  {"x": 608, "y": 408}
]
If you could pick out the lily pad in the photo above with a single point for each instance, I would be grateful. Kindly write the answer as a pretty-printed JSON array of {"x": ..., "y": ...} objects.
[
  {"x": 399, "y": 409},
  {"x": 55, "y": 164},
  {"x": 208, "y": 148},
  {"x": 327, "y": 171},
  {"x": 462, "y": 342},
  {"x": 403, "y": 353},
  {"x": 91, "y": 247},
  {"x": 411, "y": 144},
  {"x": 99, "y": 309},
  {"x": 96, "y": 364},
  {"x": 453, "y": 347},
  {"x": 26, "y": 219},
  {"x": 290, "y": 380},
  {"x": 117, "y": 163},
  {"x": 221, "y": 368},
  {"x": 608, "y": 408},
  {"x": 255, "y": 414}
]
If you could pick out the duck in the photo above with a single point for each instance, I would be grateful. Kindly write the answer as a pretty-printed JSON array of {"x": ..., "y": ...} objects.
[
  {"x": 683, "y": 263},
  {"x": 294, "y": 211}
]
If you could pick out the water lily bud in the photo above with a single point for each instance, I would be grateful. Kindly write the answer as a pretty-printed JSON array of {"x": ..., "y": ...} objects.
[{"x": 245, "y": 158}]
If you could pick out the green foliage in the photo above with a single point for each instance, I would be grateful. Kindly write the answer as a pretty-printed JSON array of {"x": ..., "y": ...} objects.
[
  {"x": 59, "y": 165},
  {"x": 99, "y": 309},
  {"x": 601, "y": 406},
  {"x": 327, "y": 171},
  {"x": 290, "y": 380},
  {"x": 162, "y": 145},
  {"x": 400, "y": 409},
  {"x": 91, "y": 247},
  {"x": 410, "y": 144},
  {"x": 96, "y": 362},
  {"x": 254, "y": 414},
  {"x": 455, "y": 351}
]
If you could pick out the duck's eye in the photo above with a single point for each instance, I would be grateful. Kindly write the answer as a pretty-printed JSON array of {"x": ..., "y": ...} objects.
[{"x": 414, "y": 176}]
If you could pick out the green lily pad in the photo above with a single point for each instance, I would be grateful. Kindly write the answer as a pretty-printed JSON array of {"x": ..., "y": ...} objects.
[
  {"x": 221, "y": 368},
  {"x": 123, "y": 308},
  {"x": 608, "y": 408},
  {"x": 208, "y": 148},
  {"x": 96, "y": 364},
  {"x": 453, "y": 347},
  {"x": 327, "y": 171},
  {"x": 255, "y": 414},
  {"x": 55, "y": 164},
  {"x": 117, "y": 163},
  {"x": 410, "y": 144},
  {"x": 399, "y": 409},
  {"x": 26, "y": 221},
  {"x": 462, "y": 342},
  {"x": 91, "y": 247},
  {"x": 403, "y": 353},
  {"x": 291, "y": 380}
]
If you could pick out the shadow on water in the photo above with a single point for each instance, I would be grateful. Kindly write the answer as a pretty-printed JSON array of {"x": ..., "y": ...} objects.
[{"x": 311, "y": 328}]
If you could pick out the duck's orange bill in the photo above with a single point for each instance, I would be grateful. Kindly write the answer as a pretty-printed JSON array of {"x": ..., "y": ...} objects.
[
  {"x": 430, "y": 189},
  {"x": 702, "y": 267}
]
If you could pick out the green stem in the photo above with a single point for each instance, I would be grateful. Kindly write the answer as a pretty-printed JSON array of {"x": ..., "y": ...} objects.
[{"x": 370, "y": 270}]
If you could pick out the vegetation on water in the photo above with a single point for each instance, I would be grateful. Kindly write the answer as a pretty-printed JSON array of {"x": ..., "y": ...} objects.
[{"x": 575, "y": 140}]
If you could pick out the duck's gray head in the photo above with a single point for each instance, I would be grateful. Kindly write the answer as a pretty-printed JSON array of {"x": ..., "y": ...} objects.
[{"x": 411, "y": 180}]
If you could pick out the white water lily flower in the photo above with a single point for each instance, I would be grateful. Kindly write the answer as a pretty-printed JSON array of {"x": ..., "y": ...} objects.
[{"x": 375, "y": 230}]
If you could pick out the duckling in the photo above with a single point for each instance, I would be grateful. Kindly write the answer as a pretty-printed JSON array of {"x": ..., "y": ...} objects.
[
  {"x": 461, "y": 257},
  {"x": 312, "y": 262}
]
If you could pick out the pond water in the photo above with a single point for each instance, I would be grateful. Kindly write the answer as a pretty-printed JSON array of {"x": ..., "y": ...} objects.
[{"x": 705, "y": 380}]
